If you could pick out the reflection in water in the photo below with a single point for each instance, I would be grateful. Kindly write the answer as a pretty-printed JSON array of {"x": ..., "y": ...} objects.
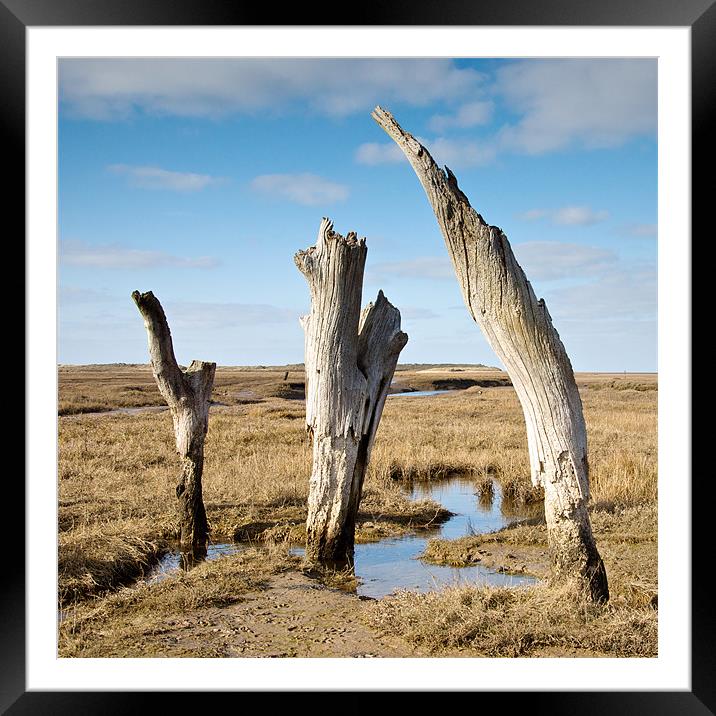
[
  {"x": 485, "y": 500},
  {"x": 189, "y": 558},
  {"x": 519, "y": 511},
  {"x": 176, "y": 559},
  {"x": 418, "y": 393},
  {"x": 392, "y": 564}
]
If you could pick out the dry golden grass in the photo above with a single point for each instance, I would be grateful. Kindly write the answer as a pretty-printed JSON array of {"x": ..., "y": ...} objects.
[
  {"x": 543, "y": 620},
  {"x": 100, "y": 558},
  {"x": 482, "y": 431},
  {"x": 503, "y": 622},
  {"x": 622, "y": 431},
  {"x": 116, "y": 489},
  {"x": 626, "y": 536},
  {"x": 100, "y": 388},
  {"x": 119, "y": 624},
  {"x": 117, "y": 475}
]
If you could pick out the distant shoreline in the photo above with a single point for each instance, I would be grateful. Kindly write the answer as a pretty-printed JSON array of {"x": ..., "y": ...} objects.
[{"x": 400, "y": 367}]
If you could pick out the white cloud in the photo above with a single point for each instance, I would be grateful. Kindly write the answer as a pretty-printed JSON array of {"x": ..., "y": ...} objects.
[
  {"x": 157, "y": 178},
  {"x": 106, "y": 89},
  {"x": 578, "y": 216},
  {"x": 306, "y": 189},
  {"x": 379, "y": 153},
  {"x": 197, "y": 315},
  {"x": 427, "y": 267},
  {"x": 469, "y": 115},
  {"x": 567, "y": 215},
  {"x": 640, "y": 230},
  {"x": 415, "y": 313},
  {"x": 552, "y": 260},
  {"x": 628, "y": 295},
  {"x": 461, "y": 153},
  {"x": 541, "y": 261},
  {"x": 558, "y": 104},
  {"x": 75, "y": 294},
  {"x": 588, "y": 103},
  {"x": 533, "y": 214},
  {"x": 113, "y": 256},
  {"x": 456, "y": 153}
]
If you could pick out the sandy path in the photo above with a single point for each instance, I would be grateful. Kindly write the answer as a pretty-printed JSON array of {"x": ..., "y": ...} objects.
[{"x": 293, "y": 617}]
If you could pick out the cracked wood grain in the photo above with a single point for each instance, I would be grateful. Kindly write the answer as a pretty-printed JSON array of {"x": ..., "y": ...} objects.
[
  {"x": 350, "y": 358},
  {"x": 187, "y": 393}
]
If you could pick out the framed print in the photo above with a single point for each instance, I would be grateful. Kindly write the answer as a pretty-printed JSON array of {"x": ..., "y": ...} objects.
[{"x": 124, "y": 113}]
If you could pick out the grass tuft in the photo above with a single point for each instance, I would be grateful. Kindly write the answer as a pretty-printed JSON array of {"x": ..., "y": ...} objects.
[{"x": 518, "y": 622}]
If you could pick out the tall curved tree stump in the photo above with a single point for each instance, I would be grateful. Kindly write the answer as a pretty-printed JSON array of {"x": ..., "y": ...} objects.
[
  {"x": 350, "y": 357},
  {"x": 519, "y": 329},
  {"x": 187, "y": 393}
]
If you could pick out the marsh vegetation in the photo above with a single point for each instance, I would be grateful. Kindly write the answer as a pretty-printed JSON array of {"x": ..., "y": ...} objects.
[{"x": 116, "y": 519}]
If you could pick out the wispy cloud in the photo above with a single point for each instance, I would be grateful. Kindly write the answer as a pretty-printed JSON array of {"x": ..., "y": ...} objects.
[
  {"x": 456, "y": 153},
  {"x": 425, "y": 267},
  {"x": 541, "y": 260},
  {"x": 471, "y": 114},
  {"x": 373, "y": 153},
  {"x": 559, "y": 104},
  {"x": 415, "y": 313},
  {"x": 76, "y": 294},
  {"x": 158, "y": 178},
  {"x": 567, "y": 215},
  {"x": 587, "y": 103},
  {"x": 461, "y": 153},
  {"x": 617, "y": 295},
  {"x": 639, "y": 230},
  {"x": 553, "y": 260},
  {"x": 114, "y": 256},
  {"x": 306, "y": 189},
  {"x": 533, "y": 214},
  {"x": 579, "y": 216},
  {"x": 198, "y": 315},
  {"x": 108, "y": 89}
]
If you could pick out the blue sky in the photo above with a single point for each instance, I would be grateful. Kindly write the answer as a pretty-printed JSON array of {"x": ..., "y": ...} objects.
[{"x": 200, "y": 179}]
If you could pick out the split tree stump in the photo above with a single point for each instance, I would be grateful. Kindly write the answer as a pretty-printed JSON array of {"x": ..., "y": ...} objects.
[
  {"x": 187, "y": 393},
  {"x": 519, "y": 329},
  {"x": 350, "y": 357}
]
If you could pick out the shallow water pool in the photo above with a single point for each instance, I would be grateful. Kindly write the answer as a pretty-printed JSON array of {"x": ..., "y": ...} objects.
[
  {"x": 171, "y": 561},
  {"x": 419, "y": 393},
  {"x": 392, "y": 564}
]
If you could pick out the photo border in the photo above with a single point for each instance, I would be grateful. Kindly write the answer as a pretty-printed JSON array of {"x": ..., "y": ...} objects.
[{"x": 17, "y": 15}]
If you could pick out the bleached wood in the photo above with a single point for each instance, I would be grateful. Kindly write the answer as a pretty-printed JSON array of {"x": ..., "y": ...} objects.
[
  {"x": 350, "y": 357},
  {"x": 187, "y": 393},
  {"x": 519, "y": 329}
]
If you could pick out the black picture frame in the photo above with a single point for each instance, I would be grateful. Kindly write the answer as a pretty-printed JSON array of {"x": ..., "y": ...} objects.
[{"x": 699, "y": 15}]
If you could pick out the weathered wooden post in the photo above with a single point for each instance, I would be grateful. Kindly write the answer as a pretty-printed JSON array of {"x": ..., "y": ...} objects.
[
  {"x": 350, "y": 357},
  {"x": 520, "y": 331},
  {"x": 187, "y": 393}
]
